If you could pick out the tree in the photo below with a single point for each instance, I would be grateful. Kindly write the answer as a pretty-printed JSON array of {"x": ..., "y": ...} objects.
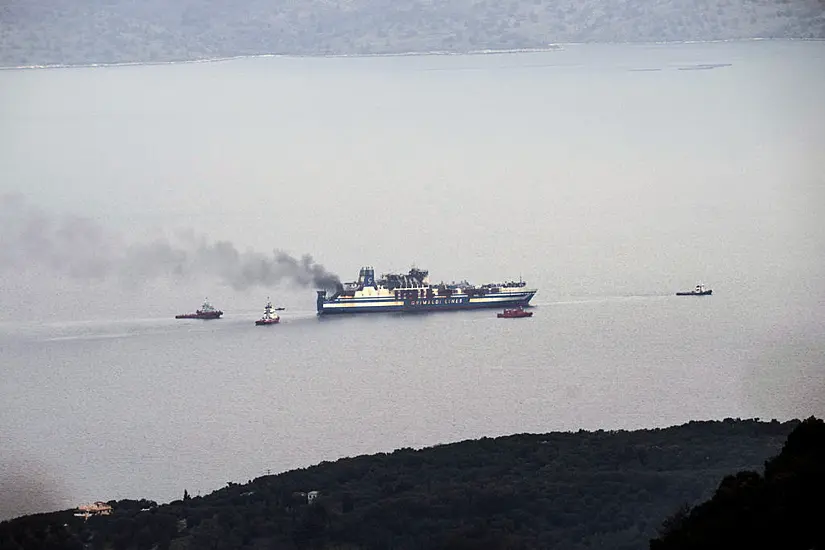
[{"x": 675, "y": 521}]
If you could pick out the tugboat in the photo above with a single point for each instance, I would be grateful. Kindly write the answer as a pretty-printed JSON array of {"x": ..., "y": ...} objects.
[
  {"x": 270, "y": 317},
  {"x": 205, "y": 312},
  {"x": 700, "y": 290},
  {"x": 514, "y": 313}
]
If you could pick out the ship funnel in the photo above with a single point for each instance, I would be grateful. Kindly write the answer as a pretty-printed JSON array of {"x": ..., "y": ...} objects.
[{"x": 366, "y": 277}]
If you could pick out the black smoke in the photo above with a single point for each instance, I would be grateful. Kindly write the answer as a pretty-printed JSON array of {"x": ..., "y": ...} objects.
[{"x": 83, "y": 249}]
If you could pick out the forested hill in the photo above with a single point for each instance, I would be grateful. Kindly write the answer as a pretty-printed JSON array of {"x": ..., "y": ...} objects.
[
  {"x": 557, "y": 490},
  {"x": 782, "y": 508},
  {"x": 34, "y": 32}
]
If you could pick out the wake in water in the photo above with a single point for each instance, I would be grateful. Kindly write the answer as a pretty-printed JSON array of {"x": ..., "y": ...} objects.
[{"x": 604, "y": 299}]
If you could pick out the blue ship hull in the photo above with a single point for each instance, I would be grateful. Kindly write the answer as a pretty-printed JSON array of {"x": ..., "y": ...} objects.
[{"x": 350, "y": 307}]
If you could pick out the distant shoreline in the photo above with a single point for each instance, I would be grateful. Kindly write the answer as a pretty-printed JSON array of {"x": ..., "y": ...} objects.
[{"x": 550, "y": 48}]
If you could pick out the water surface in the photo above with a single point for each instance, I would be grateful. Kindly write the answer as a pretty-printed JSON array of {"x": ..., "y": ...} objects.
[{"x": 607, "y": 176}]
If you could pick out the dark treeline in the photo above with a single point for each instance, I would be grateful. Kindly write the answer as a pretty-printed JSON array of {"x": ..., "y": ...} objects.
[
  {"x": 557, "y": 490},
  {"x": 782, "y": 508}
]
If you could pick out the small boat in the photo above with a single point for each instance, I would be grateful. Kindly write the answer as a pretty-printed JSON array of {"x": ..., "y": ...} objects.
[
  {"x": 269, "y": 317},
  {"x": 514, "y": 313},
  {"x": 205, "y": 312},
  {"x": 700, "y": 290}
]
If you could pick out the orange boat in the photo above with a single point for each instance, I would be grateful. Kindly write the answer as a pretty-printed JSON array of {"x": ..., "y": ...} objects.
[{"x": 514, "y": 313}]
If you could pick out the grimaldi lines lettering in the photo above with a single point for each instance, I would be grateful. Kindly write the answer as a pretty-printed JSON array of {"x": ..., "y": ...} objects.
[{"x": 436, "y": 301}]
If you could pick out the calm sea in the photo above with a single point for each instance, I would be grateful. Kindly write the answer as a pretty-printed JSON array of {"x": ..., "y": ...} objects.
[{"x": 607, "y": 176}]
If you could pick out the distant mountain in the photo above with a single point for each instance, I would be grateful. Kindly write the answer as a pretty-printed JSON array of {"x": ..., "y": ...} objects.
[{"x": 34, "y": 32}]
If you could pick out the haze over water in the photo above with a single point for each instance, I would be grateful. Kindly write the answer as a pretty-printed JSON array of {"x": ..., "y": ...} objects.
[{"x": 608, "y": 176}]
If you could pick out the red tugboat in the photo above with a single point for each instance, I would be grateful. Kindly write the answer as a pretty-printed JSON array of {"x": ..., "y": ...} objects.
[
  {"x": 514, "y": 313},
  {"x": 270, "y": 317},
  {"x": 205, "y": 312}
]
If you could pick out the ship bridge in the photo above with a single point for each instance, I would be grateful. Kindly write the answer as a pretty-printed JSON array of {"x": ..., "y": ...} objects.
[{"x": 415, "y": 278}]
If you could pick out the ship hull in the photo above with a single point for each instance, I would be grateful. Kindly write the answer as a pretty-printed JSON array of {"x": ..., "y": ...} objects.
[
  {"x": 263, "y": 322},
  {"x": 703, "y": 293},
  {"x": 390, "y": 305},
  {"x": 196, "y": 316},
  {"x": 520, "y": 314}
]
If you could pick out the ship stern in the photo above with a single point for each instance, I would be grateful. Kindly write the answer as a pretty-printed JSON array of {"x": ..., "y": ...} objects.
[{"x": 319, "y": 302}]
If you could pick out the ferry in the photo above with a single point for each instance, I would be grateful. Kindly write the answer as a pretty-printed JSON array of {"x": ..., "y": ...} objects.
[{"x": 412, "y": 292}]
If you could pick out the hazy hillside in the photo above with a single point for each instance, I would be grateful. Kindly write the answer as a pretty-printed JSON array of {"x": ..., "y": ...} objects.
[
  {"x": 574, "y": 491},
  {"x": 782, "y": 508},
  {"x": 88, "y": 31}
]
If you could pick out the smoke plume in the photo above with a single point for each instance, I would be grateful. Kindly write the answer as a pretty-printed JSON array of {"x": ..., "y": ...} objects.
[{"x": 81, "y": 248}]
